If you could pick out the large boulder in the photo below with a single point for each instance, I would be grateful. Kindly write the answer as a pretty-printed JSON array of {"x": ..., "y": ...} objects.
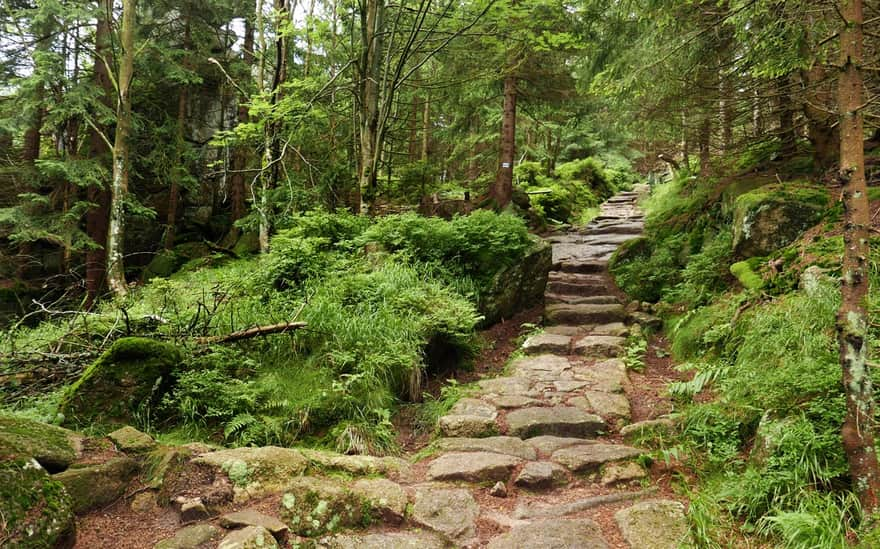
[
  {"x": 54, "y": 448},
  {"x": 36, "y": 510},
  {"x": 314, "y": 506},
  {"x": 519, "y": 286},
  {"x": 130, "y": 377},
  {"x": 92, "y": 486},
  {"x": 774, "y": 216}
]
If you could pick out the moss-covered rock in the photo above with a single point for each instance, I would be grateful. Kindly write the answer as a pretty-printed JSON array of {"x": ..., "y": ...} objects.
[
  {"x": 128, "y": 378},
  {"x": 163, "y": 265},
  {"x": 314, "y": 506},
  {"x": 93, "y": 486},
  {"x": 35, "y": 509},
  {"x": 53, "y": 447},
  {"x": 774, "y": 216},
  {"x": 518, "y": 286},
  {"x": 745, "y": 274},
  {"x": 131, "y": 441},
  {"x": 247, "y": 244}
]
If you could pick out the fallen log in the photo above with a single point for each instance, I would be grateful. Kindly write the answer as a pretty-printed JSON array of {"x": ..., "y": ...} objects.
[{"x": 248, "y": 333}]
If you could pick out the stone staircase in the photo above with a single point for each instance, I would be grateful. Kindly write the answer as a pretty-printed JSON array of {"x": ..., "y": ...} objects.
[{"x": 538, "y": 457}]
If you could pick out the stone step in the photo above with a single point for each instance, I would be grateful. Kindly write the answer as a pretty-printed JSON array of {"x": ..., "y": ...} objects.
[
  {"x": 616, "y": 228},
  {"x": 578, "y": 300},
  {"x": 600, "y": 346},
  {"x": 552, "y": 533},
  {"x": 577, "y": 278},
  {"x": 473, "y": 467},
  {"x": 581, "y": 266},
  {"x": 590, "y": 457},
  {"x": 587, "y": 313},
  {"x": 576, "y": 289},
  {"x": 547, "y": 343},
  {"x": 659, "y": 524},
  {"x": 509, "y": 446},
  {"x": 563, "y": 421}
]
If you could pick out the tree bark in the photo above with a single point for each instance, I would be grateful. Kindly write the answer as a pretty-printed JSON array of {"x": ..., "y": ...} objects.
[
  {"x": 426, "y": 127},
  {"x": 369, "y": 99},
  {"x": 240, "y": 155},
  {"x": 502, "y": 190},
  {"x": 121, "y": 164},
  {"x": 182, "y": 100},
  {"x": 852, "y": 320},
  {"x": 704, "y": 143},
  {"x": 823, "y": 132},
  {"x": 785, "y": 111},
  {"x": 98, "y": 217}
]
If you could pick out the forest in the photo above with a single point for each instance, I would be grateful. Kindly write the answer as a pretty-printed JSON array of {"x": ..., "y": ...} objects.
[{"x": 436, "y": 273}]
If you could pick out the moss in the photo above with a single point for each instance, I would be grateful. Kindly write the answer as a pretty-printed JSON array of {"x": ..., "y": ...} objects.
[
  {"x": 162, "y": 265},
  {"x": 36, "y": 510},
  {"x": 746, "y": 276},
  {"x": 97, "y": 485},
  {"x": 53, "y": 447},
  {"x": 314, "y": 506},
  {"x": 129, "y": 377}
]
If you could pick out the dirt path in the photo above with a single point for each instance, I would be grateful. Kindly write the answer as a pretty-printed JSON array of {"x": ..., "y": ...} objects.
[{"x": 540, "y": 456}]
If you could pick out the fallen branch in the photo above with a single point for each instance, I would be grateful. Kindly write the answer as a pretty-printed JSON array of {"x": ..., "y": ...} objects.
[
  {"x": 256, "y": 331},
  {"x": 544, "y": 511}
]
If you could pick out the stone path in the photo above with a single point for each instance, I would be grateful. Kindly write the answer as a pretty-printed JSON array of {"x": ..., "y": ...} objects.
[{"x": 536, "y": 458}]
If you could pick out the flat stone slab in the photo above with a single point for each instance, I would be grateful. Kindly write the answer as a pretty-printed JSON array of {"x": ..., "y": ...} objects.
[
  {"x": 252, "y": 517},
  {"x": 509, "y": 446},
  {"x": 547, "y": 444},
  {"x": 589, "y": 457},
  {"x": 654, "y": 524},
  {"x": 568, "y": 385},
  {"x": 584, "y": 314},
  {"x": 518, "y": 386},
  {"x": 511, "y": 401},
  {"x": 646, "y": 320},
  {"x": 541, "y": 367},
  {"x": 600, "y": 346},
  {"x": 469, "y": 417},
  {"x": 552, "y": 299},
  {"x": 473, "y": 407},
  {"x": 618, "y": 329},
  {"x": 541, "y": 475},
  {"x": 385, "y": 497},
  {"x": 390, "y": 540},
  {"x": 252, "y": 537},
  {"x": 583, "y": 266},
  {"x": 547, "y": 343},
  {"x": 552, "y": 534},
  {"x": 189, "y": 537},
  {"x": 607, "y": 405},
  {"x": 565, "y": 421},
  {"x": 569, "y": 331},
  {"x": 576, "y": 288},
  {"x": 616, "y": 473},
  {"x": 608, "y": 376},
  {"x": 449, "y": 512},
  {"x": 473, "y": 467}
]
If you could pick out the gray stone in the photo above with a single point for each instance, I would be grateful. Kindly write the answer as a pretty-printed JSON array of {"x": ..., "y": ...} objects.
[
  {"x": 773, "y": 216},
  {"x": 145, "y": 502},
  {"x": 130, "y": 440},
  {"x": 388, "y": 540},
  {"x": 512, "y": 401},
  {"x": 655, "y": 524},
  {"x": 251, "y": 537},
  {"x": 617, "y": 329},
  {"x": 552, "y": 534},
  {"x": 508, "y": 386},
  {"x": 314, "y": 506},
  {"x": 469, "y": 417},
  {"x": 615, "y": 473},
  {"x": 547, "y": 343},
  {"x": 252, "y": 517},
  {"x": 541, "y": 367},
  {"x": 608, "y": 376},
  {"x": 584, "y": 314},
  {"x": 499, "y": 490},
  {"x": 193, "y": 510},
  {"x": 450, "y": 512},
  {"x": 518, "y": 286},
  {"x": 569, "y": 331},
  {"x": 356, "y": 465},
  {"x": 558, "y": 420},
  {"x": 589, "y": 457},
  {"x": 568, "y": 385},
  {"x": 473, "y": 466},
  {"x": 256, "y": 471},
  {"x": 551, "y": 299},
  {"x": 661, "y": 427},
  {"x": 575, "y": 266},
  {"x": 547, "y": 444},
  {"x": 386, "y": 498},
  {"x": 607, "y": 405},
  {"x": 600, "y": 346},
  {"x": 92, "y": 486},
  {"x": 540, "y": 475},
  {"x": 558, "y": 287},
  {"x": 510, "y": 446},
  {"x": 646, "y": 321},
  {"x": 189, "y": 537}
]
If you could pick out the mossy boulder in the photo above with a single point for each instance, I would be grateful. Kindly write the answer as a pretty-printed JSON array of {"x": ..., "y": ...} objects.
[
  {"x": 35, "y": 510},
  {"x": 247, "y": 244},
  {"x": 54, "y": 448},
  {"x": 518, "y": 286},
  {"x": 92, "y": 486},
  {"x": 163, "y": 265},
  {"x": 313, "y": 506},
  {"x": 744, "y": 271},
  {"x": 774, "y": 216},
  {"x": 129, "y": 378}
]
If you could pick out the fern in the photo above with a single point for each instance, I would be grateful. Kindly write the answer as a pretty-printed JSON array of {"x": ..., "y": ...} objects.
[{"x": 238, "y": 424}]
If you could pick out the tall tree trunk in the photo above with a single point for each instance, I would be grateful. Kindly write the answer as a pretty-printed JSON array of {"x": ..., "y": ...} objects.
[
  {"x": 785, "y": 112},
  {"x": 852, "y": 320},
  {"x": 180, "y": 171},
  {"x": 502, "y": 190},
  {"x": 368, "y": 120},
  {"x": 704, "y": 145},
  {"x": 121, "y": 164},
  {"x": 98, "y": 216},
  {"x": 685, "y": 142},
  {"x": 426, "y": 127},
  {"x": 822, "y": 130},
  {"x": 237, "y": 190}
]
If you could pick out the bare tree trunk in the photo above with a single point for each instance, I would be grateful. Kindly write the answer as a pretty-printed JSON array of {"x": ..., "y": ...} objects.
[
  {"x": 705, "y": 153},
  {"x": 240, "y": 155},
  {"x": 121, "y": 164},
  {"x": 426, "y": 126},
  {"x": 502, "y": 190},
  {"x": 852, "y": 321},
  {"x": 369, "y": 98},
  {"x": 98, "y": 217},
  {"x": 822, "y": 129},
  {"x": 786, "y": 117},
  {"x": 685, "y": 142}
]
